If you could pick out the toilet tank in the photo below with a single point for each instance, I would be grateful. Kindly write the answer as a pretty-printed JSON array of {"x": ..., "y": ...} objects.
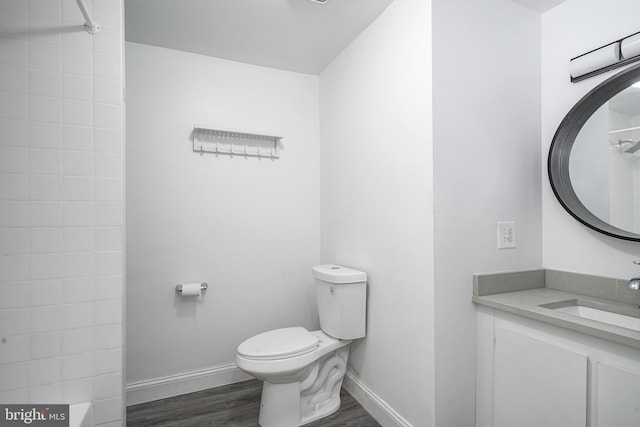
[{"x": 342, "y": 301}]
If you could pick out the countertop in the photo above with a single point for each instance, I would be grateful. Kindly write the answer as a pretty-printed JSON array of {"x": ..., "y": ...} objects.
[{"x": 527, "y": 303}]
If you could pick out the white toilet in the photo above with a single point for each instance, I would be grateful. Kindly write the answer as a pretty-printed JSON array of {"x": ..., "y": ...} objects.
[{"x": 303, "y": 371}]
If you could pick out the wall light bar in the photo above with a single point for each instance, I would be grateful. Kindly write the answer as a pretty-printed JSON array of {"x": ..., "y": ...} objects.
[{"x": 608, "y": 57}]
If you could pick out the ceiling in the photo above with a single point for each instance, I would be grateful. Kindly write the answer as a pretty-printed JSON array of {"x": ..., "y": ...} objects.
[
  {"x": 294, "y": 35},
  {"x": 539, "y": 5}
]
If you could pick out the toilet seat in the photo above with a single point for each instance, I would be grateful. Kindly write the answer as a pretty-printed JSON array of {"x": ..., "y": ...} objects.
[{"x": 279, "y": 344}]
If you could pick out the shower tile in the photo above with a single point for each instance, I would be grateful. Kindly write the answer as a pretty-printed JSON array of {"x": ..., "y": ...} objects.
[
  {"x": 45, "y": 83},
  {"x": 48, "y": 8},
  {"x": 77, "y": 87},
  {"x": 107, "y": 337},
  {"x": 47, "y": 344},
  {"x": 46, "y": 292},
  {"x": 45, "y": 371},
  {"x": 13, "y": 78},
  {"x": 78, "y": 289},
  {"x": 78, "y": 163},
  {"x": 77, "y": 112},
  {"x": 76, "y": 62},
  {"x": 46, "y": 319},
  {"x": 78, "y": 264},
  {"x": 45, "y": 109},
  {"x": 107, "y": 116},
  {"x": 14, "y": 295},
  {"x": 45, "y": 214},
  {"x": 78, "y": 138},
  {"x": 14, "y": 322},
  {"x": 76, "y": 366},
  {"x": 45, "y": 162},
  {"x": 108, "y": 165},
  {"x": 106, "y": 386},
  {"x": 14, "y": 214},
  {"x": 109, "y": 239},
  {"x": 46, "y": 240},
  {"x": 45, "y": 135},
  {"x": 108, "y": 312},
  {"x": 79, "y": 315},
  {"x": 78, "y": 390},
  {"x": 14, "y": 376},
  {"x": 14, "y": 133},
  {"x": 107, "y": 66},
  {"x": 108, "y": 141},
  {"x": 14, "y": 187},
  {"x": 107, "y": 410},
  {"x": 14, "y": 241},
  {"x": 78, "y": 214},
  {"x": 107, "y": 361},
  {"x": 50, "y": 393},
  {"x": 109, "y": 263},
  {"x": 78, "y": 189},
  {"x": 13, "y": 51},
  {"x": 77, "y": 340},
  {"x": 15, "y": 349},
  {"x": 14, "y": 105},
  {"x": 42, "y": 57},
  {"x": 108, "y": 214},
  {"x": 107, "y": 91},
  {"x": 108, "y": 190},
  {"x": 45, "y": 187},
  {"x": 107, "y": 42},
  {"x": 43, "y": 29},
  {"x": 79, "y": 239},
  {"x": 14, "y": 268},
  {"x": 46, "y": 266},
  {"x": 14, "y": 160},
  {"x": 109, "y": 287},
  {"x": 78, "y": 40}
]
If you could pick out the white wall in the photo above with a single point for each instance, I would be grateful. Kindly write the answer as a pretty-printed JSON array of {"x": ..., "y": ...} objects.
[
  {"x": 486, "y": 97},
  {"x": 61, "y": 212},
  {"x": 377, "y": 209},
  {"x": 573, "y": 28},
  {"x": 248, "y": 227}
]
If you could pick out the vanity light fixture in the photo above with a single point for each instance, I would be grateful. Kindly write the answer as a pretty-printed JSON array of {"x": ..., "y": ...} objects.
[{"x": 608, "y": 57}]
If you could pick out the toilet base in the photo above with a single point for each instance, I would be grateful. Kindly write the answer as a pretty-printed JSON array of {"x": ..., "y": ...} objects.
[{"x": 300, "y": 402}]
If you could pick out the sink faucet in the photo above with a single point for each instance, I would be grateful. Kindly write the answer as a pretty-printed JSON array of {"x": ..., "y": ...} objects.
[{"x": 634, "y": 283}]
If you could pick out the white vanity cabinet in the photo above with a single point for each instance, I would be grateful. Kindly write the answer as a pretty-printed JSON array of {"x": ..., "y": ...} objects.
[{"x": 532, "y": 374}]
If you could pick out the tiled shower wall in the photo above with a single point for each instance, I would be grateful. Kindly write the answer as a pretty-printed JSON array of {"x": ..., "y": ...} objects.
[{"x": 61, "y": 206}]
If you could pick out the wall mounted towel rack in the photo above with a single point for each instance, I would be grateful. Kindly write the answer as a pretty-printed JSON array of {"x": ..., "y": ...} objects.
[{"x": 235, "y": 143}]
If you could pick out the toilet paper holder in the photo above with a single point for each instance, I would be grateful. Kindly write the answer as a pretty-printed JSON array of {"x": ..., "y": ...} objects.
[{"x": 203, "y": 286}]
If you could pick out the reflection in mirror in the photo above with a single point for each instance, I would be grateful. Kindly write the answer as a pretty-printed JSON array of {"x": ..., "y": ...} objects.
[
  {"x": 594, "y": 160},
  {"x": 604, "y": 165}
]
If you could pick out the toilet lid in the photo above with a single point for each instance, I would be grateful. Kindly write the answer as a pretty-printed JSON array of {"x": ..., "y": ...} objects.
[{"x": 278, "y": 344}]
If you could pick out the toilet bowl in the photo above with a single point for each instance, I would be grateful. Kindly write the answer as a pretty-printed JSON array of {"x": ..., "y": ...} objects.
[
  {"x": 302, "y": 370},
  {"x": 302, "y": 373}
]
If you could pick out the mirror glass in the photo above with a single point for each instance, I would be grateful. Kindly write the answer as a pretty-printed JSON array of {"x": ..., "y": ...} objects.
[
  {"x": 594, "y": 159},
  {"x": 604, "y": 164}
]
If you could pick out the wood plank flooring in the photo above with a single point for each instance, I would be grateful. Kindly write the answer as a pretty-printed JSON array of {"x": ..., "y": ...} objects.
[{"x": 234, "y": 405}]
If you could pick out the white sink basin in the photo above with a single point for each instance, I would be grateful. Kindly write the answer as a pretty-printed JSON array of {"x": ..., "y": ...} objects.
[{"x": 581, "y": 309}]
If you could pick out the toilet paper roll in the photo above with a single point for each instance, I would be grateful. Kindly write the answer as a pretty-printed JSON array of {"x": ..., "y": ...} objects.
[{"x": 191, "y": 290}]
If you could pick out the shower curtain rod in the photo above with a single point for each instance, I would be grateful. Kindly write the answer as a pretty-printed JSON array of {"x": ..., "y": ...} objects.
[{"x": 90, "y": 25}]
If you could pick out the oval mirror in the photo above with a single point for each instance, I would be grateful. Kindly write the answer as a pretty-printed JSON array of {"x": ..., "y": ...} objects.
[{"x": 594, "y": 159}]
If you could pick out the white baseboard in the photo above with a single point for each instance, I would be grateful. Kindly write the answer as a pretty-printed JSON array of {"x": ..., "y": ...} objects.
[
  {"x": 189, "y": 382},
  {"x": 372, "y": 403}
]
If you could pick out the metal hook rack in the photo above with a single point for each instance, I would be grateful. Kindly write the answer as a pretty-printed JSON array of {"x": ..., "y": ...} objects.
[{"x": 235, "y": 143}]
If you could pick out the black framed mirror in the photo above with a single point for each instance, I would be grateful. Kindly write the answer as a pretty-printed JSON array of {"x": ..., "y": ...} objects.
[{"x": 594, "y": 159}]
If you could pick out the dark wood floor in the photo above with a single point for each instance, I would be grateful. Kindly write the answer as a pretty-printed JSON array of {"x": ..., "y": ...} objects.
[{"x": 235, "y": 405}]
